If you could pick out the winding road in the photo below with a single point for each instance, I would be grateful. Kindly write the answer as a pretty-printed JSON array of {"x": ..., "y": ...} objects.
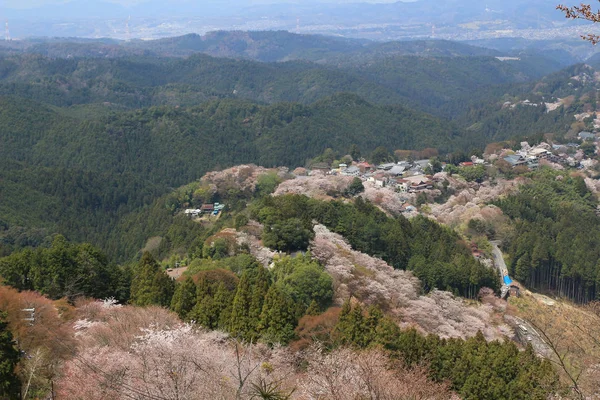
[
  {"x": 525, "y": 331},
  {"x": 500, "y": 266}
]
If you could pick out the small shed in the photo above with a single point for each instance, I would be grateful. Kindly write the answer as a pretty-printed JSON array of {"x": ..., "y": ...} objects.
[
  {"x": 514, "y": 291},
  {"x": 207, "y": 208}
]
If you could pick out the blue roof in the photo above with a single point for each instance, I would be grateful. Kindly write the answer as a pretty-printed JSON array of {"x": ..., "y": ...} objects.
[{"x": 507, "y": 280}]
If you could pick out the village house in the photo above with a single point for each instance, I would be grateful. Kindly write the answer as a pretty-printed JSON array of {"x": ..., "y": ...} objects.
[
  {"x": 422, "y": 164},
  {"x": 386, "y": 166},
  {"x": 192, "y": 212},
  {"x": 207, "y": 208},
  {"x": 365, "y": 167},
  {"x": 419, "y": 183},
  {"x": 540, "y": 153},
  {"x": 515, "y": 160},
  {"x": 401, "y": 185},
  {"x": 533, "y": 162},
  {"x": 323, "y": 167},
  {"x": 587, "y": 135},
  {"x": 396, "y": 170},
  {"x": 351, "y": 171},
  {"x": 377, "y": 182},
  {"x": 407, "y": 207}
]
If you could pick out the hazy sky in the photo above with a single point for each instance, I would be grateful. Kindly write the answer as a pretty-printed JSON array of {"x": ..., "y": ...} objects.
[{"x": 38, "y": 3}]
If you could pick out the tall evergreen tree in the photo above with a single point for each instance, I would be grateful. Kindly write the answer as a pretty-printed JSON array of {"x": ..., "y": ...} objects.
[
  {"x": 150, "y": 284},
  {"x": 184, "y": 298},
  {"x": 223, "y": 305},
  {"x": 260, "y": 287},
  {"x": 240, "y": 324},
  {"x": 277, "y": 319},
  {"x": 9, "y": 357}
]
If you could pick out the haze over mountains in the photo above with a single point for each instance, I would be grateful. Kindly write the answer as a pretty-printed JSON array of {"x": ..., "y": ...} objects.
[
  {"x": 463, "y": 20},
  {"x": 327, "y": 192}
]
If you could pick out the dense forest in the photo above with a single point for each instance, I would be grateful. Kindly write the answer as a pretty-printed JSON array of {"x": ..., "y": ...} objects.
[
  {"x": 104, "y": 168},
  {"x": 105, "y": 161},
  {"x": 555, "y": 243},
  {"x": 106, "y": 135},
  {"x": 100, "y": 141},
  {"x": 435, "y": 254},
  {"x": 477, "y": 369}
]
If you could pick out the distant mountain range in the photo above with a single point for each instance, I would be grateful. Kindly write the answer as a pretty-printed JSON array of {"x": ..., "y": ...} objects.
[
  {"x": 94, "y": 131},
  {"x": 157, "y": 18},
  {"x": 448, "y": 11}
]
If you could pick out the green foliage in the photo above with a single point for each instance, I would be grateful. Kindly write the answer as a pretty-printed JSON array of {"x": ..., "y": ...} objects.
[
  {"x": 475, "y": 173},
  {"x": 114, "y": 202},
  {"x": 287, "y": 235},
  {"x": 261, "y": 305},
  {"x": 589, "y": 148},
  {"x": 555, "y": 243},
  {"x": 278, "y": 317},
  {"x": 240, "y": 221},
  {"x": 184, "y": 298},
  {"x": 218, "y": 249},
  {"x": 241, "y": 324},
  {"x": 435, "y": 254},
  {"x": 9, "y": 357},
  {"x": 264, "y": 390},
  {"x": 475, "y": 368},
  {"x": 380, "y": 155},
  {"x": 304, "y": 280},
  {"x": 150, "y": 285},
  {"x": 351, "y": 329},
  {"x": 62, "y": 270},
  {"x": 436, "y": 165},
  {"x": 354, "y": 152},
  {"x": 237, "y": 264},
  {"x": 355, "y": 187},
  {"x": 267, "y": 183}
]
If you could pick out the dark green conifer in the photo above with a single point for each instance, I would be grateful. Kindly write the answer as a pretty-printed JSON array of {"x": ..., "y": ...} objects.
[
  {"x": 223, "y": 305},
  {"x": 9, "y": 357},
  {"x": 240, "y": 324},
  {"x": 150, "y": 284},
  {"x": 277, "y": 319},
  {"x": 184, "y": 298}
]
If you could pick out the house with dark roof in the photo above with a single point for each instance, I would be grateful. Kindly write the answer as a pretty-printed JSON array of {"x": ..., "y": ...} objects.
[
  {"x": 324, "y": 167},
  {"x": 351, "y": 171},
  {"x": 587, "y": 135},
  {"x": 515, "y": 160},
  {"x": 207, "y": 208}
]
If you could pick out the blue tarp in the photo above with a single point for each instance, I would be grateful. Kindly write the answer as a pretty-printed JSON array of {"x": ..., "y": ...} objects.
[{"x": 507, "y": 280}]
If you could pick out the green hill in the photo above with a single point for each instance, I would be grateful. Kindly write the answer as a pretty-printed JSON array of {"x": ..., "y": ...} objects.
[{"x": 80, "y": 176}]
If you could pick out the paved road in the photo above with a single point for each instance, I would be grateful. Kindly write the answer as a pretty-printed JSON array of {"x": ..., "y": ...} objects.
[
  {"x": 499, "y": 260},
  {"x": 524, "y": 331},
  {"x": 501, "y": 267}
]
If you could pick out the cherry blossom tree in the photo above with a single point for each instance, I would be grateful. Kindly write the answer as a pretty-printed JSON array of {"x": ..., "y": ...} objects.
[{"x": 583, "y": 12}]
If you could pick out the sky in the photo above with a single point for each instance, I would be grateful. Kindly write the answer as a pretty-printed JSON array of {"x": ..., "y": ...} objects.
[{"x": 28, "y": 4}]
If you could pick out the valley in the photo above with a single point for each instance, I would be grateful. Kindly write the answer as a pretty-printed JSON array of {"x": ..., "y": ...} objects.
[{"x": 272, "y": 211}]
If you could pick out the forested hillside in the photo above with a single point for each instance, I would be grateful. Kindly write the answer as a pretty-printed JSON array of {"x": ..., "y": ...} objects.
[
  {"x": 103, "y": 168},
  {"x": 105, "y": 136},
  {"x": 424, "y": 82},
  {"x": 555, "y": 243}
]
